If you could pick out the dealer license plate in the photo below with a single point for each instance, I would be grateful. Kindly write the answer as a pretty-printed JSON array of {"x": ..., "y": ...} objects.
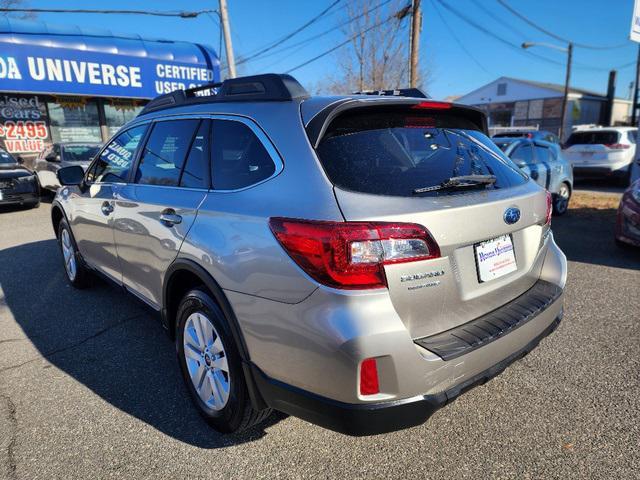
[{"x": 495, "y": 258}]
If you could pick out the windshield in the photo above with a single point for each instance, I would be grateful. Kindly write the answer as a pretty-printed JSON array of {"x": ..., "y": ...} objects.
[
  {"x": 397, "y": 153},
  {"x": 601, "y": 137},
  {"x": 6, "y": 158},
  {"x": 80, "y": 153}
]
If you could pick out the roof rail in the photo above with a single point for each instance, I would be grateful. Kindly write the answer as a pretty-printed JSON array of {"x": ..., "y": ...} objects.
[
  {"x": 398, "y": 92},
  {"x": 268, "y": 87}
]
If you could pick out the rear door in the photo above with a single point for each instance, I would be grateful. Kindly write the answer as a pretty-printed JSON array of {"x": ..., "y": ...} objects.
[
  {"x": 156, "y": 209},
  {"x": 377, "y": 160}
]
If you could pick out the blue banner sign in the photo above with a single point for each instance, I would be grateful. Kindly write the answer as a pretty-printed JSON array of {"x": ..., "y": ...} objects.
[{"x": 47, "y": 70}]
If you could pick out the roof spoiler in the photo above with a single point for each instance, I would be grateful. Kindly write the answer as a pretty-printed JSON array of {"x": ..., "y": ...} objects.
[
  {"x": 398, "y": 92},
  {"x": 269, "y": 87},
  {"x": 318, "y": 125}
]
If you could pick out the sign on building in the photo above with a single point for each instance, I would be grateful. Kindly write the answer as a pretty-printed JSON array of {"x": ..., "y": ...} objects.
[{"x": 23, "y": 123}]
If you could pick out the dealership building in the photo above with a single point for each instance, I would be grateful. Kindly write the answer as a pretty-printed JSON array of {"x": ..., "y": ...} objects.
[
  {"x": 513, "y": 102},
  {"x": 72, "y": 84}
]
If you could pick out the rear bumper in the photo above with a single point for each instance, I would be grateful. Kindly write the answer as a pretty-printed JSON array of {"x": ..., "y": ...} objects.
[
  {"x": 377, "y": 418},
  {"x": 601, "y": 171}
]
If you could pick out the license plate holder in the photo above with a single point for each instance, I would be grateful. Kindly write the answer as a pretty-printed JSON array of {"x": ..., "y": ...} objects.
[{"x": 495, "y": 258}]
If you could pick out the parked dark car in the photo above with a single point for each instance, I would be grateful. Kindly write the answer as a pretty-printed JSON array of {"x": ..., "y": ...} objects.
[
  {"x": 531, "y": 134},
  {"x": 59, "y": 155},
  {"x": 545, "y": 164},
  {"x": 18, "y": 184},
  {"x": 628, "y": 218}
]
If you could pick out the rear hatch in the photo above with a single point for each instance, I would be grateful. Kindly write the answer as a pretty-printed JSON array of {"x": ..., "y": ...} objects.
[
  {"x": 390, "y": 163},
  {"x": 595, "y": 147}
]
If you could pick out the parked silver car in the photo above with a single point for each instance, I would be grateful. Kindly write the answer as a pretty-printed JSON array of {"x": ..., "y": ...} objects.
[
  {"x": 60, "y": 155},
  {"x": 355, "y": 261},
  {"x": 545, "y": 164}
]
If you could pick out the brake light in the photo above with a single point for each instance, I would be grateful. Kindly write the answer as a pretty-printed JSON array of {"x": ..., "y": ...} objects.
[
  {"x": 352, "y": 255},
  {"x": 549, "y": 208},
  {"x": 369, "y": 384},
  {"x": 432, "y": 105},
  {"x": 617, "y": 146}
]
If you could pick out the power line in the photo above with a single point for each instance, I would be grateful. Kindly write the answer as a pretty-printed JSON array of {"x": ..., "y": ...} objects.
[
  {"x": 319, "y": 35},
  {"x": 458, "y": 41},
  {"x": 558, "y": 37},
  {"x": 182, "y": 14},
  {"x": 290, "y": 35},
  {"x": 342, "y": 44},
  {"x": 510, "y": 44}
]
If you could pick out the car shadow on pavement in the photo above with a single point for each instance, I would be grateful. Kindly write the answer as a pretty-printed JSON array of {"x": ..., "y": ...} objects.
[
  {"x": 586, "y": 235},
  {"x": 107, "y": 341}
]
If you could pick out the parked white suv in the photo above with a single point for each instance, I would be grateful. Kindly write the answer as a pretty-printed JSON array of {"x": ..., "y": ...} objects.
[{"x": 602, "y": 152}]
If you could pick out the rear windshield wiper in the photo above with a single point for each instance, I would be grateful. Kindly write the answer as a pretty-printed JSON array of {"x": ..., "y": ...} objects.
[{"x": 463, "y": 181}]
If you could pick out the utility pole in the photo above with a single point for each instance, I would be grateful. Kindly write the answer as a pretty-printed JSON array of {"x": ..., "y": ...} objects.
[
  {"x": 224, "y": 20},
  {"x": 634, "y": 106},
  {"x": 565, "y": 98},
  {"x": 414, "y": 42}
]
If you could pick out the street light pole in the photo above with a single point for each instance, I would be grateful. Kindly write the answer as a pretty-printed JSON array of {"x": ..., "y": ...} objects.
[{"x": 565, "y": 98}]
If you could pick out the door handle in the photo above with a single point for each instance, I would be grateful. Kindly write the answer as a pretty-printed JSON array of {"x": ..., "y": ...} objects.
[
  {"x": 169, "y": 217},
  {"x": 106, "y": 208}
]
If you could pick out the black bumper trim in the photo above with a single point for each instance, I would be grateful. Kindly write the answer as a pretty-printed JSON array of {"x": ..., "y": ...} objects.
[
  {"x": 374, "y": 418},
  {"x": 485, "y": 329}
]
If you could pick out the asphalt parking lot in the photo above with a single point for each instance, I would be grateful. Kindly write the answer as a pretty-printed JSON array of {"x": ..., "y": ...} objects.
[{"x": 89, "y": 386}]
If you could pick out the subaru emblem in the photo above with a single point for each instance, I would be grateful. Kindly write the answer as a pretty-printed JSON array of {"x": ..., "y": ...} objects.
[{"x": 511, "y": 215}]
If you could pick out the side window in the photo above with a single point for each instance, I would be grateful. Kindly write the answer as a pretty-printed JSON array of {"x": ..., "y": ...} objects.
[
  {"x": 196, "y": 168},
  {"x": 632, "y": 136},
  {"x": 238, "y": 157},
  {"x": 523, "y": 155},
  {"x": 164, "y": 153},
  {"x": 543, "y": 155},
  {"x": 115, "y": 160}
]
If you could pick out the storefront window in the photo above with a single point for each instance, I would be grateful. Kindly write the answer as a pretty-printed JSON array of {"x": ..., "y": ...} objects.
[
  {"x": 119, "y": 112},
  {"x": 74, "y": 120}
]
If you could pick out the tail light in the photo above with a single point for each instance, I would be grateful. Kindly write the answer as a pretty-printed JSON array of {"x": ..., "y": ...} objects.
[
  {"x": 352, "y": 255},
  {"x": 618, "y": 146},
  {"x": 549, "y": 208},
  {"x": 369, "y": 384}
]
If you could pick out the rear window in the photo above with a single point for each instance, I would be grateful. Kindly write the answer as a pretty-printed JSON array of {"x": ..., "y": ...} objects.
[
  {"x": 602, "y": 137},
  {"x": 394, "y": 153}
]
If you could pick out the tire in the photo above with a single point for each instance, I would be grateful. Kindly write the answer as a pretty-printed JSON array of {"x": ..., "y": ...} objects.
[
  {"x": 75, "y": 268},
  {"x": 222, "y": 398},
  {"x": 561, "y": 200}
]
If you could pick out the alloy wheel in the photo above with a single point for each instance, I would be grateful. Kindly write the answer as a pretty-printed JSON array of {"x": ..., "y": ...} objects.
[
  {"x": 69, "y": 255},
  {"x": 562, "y": 199},
  {"x": 206, "y": 361}
]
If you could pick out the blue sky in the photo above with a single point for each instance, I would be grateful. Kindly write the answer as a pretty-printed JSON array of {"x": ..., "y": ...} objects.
[{"x": 257, "y": 23}]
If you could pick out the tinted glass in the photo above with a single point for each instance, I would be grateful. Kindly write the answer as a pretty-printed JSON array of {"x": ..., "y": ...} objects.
[
  {"x": 394, "y": 153},
  {"x": 632, "y": 136},
  {"x": 115, "y": 161},
  {"x": 604, "y": 137},
  {"x": 80, "y": 153},
  {"x": 543, "y": 154},
  {"x": 196, "y": 168},
  {"x": 164, "y": 154},
  {"x": 523, "y": 155},
  {"x": 238, "y": 158}
]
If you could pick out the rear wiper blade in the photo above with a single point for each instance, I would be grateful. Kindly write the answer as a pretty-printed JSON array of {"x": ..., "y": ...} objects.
[{"x": 463, "y": 181}]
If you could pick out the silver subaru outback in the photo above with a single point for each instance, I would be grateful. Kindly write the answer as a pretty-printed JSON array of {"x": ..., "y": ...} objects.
[{"x": 355, "y": 261}]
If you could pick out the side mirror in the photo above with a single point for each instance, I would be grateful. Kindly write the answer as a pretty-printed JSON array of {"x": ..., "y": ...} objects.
[
  {"x": 52, "y": 157},
  {"x": 73, "y": 175}
]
